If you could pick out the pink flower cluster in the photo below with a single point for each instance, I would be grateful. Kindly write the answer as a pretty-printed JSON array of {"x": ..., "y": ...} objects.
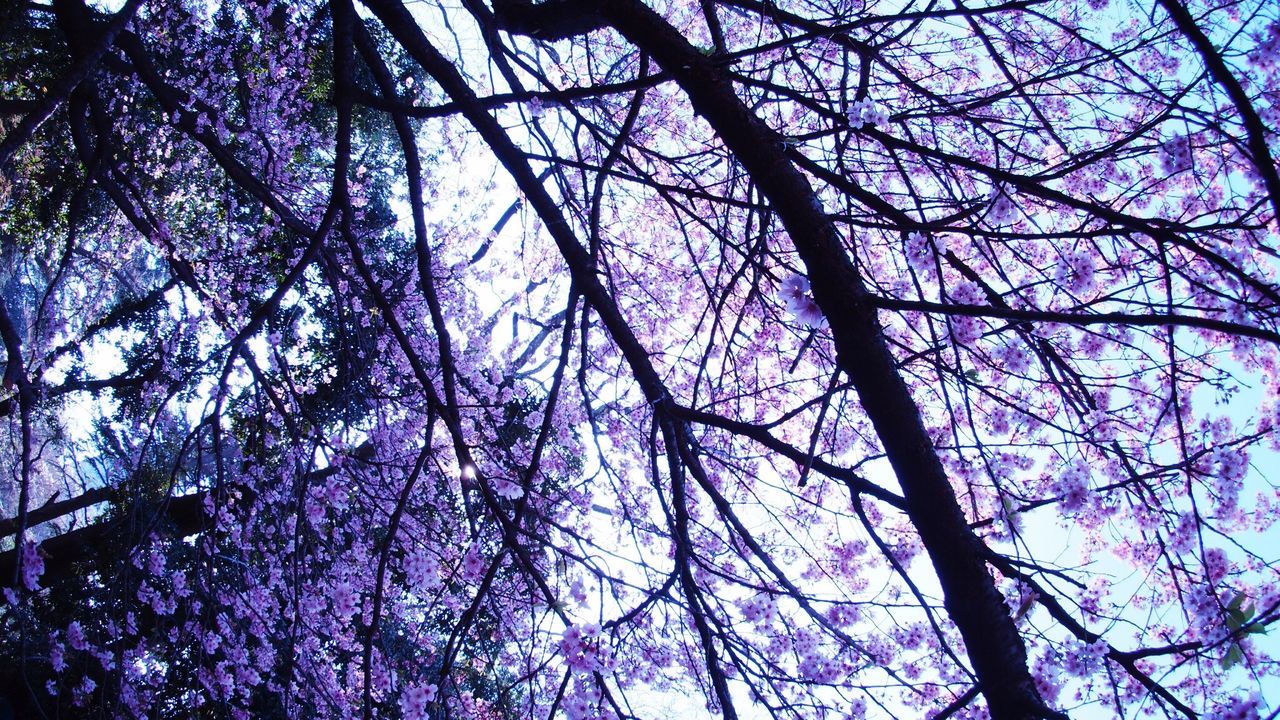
[
  {"x": 345, "y": 600},
  {"x": 1073, "y": 487},
  {"x": 922, "y": 251},
  {"x": 1205, "y": 608},
  {"x": 1002, "y": 211},
  {"x": 1240, "y": 709},
  {"x": 583, "y": 648},
  {"x": 761, "y": 608},
  {"x": 582, "y": 703},
  {"x": 32, "y": 566},
  {"x": 1013, "y": 355},
  {"x": 1266, "y": 54},
  {"x": 966, "y": 329},
  {"x": 423, "y": 571},
  {"x": 414, "y": 701},
  {"x": 474, "y": 565},
  {"x": 507, "y": 489},
  {"x": 1077, "y": 272},
  {"x": 815, "y": 662},
  {"x": 1175, "y": 154},
  {"x": 1085, "y": 659},
  {"x": 863, "y": 113},
  {"x": 795, "y": 294}
]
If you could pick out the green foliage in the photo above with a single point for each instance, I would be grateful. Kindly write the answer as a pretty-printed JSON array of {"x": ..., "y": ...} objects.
[{"x": 1239, "y": 624}]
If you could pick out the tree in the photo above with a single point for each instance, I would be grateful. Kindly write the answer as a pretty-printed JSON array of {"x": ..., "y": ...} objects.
[{"x": 566, "y": 358}]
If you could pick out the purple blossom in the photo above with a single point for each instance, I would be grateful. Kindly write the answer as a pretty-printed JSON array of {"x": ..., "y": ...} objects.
[
  {"x": 796, "y": 296},
  {"x": 32, "y": 565},
  {"x": 414, "y": 700}
]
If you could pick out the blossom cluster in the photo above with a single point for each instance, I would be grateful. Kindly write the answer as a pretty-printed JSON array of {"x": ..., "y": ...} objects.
[
  {"x": 1078, "y": 271},
  {"x": 414, "y": 700},
  {"x": 506, "y": 489},
  {"x": 800, "y": 303},
  {"x": 582, "y": 703},
  {"x": 814, "y": 661},
  {"x": 32, "y": 565},
  {"x": 1266, "y": 53},
  {"x": 1001, "y": 209},
  {"x": 1245, "y": 708},
  {"x": 422, "y": 570},
  {"x": 758, "y": 609},
  {"x": 867, "y": 113},
  {"x": 923, "y": 251},
  {"x": 1073, "y": 487},
  {"x": 965, "y": 329},
  {"x": 583, "y": 649},
  {"x": 1175, "y": 154},
  {"x": 1085, "y": 659}
]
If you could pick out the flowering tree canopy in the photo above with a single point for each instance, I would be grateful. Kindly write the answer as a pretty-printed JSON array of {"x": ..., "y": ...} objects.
[{"x": 639, "y": 358}]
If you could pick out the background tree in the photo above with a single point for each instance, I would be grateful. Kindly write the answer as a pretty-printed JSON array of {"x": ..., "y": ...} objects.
[{"x": 515, "y": 359}]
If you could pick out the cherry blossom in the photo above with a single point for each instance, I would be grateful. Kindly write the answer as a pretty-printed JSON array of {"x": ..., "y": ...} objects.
[
  {"x": 1175, "y": 154},
  {"x": 865, "y": 112},
  {"x": 610, "y": 359},
  {"x": 799, "y": 303}
]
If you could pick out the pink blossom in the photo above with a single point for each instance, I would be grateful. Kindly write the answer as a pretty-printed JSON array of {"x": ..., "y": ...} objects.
[
  {"x": 1175, "y": 154},
  {"x": 922, "y": 252},
  {"x": 795, "y": 295},
  {"x": 422, "y": 570},
  {"x": 1073, "y": 487},
  {"x": 760, "y": 608},
  {"x": 1246, "y": 708},
  {"x": 414, "y": 700},
  {"x": 344, "y": 599},
  {"x": 57, "y": 656},
  {"x": 75, "y": 636},
  {"x": 507, "y": 489},
  {"x": 863, "y": 113},
  {"x": 473, "y": 565},
  {"x": 32, "y": 565},
  {"x": 582, "y": 648},
  {"x": 1001, "y": 211}
]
